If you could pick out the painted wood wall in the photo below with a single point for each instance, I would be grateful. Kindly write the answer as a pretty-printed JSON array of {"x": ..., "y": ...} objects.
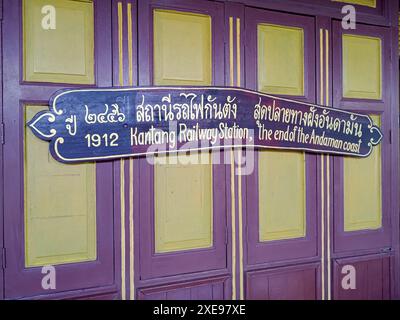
[{"x": 128, "y": 229}]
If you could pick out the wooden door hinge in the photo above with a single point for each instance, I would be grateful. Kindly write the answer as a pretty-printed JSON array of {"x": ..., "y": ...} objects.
[
  {"x": 2, "y": 138},
  {"x": 3, "y": 258},
  {"x": 386, "y": 250}
]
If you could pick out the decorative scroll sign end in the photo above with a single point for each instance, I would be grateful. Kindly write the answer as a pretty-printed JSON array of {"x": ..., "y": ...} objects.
[
  {"x": 42, "y": 125},
  {"x": 103, "y": 124},
  {"x": 377, "y": 135}
]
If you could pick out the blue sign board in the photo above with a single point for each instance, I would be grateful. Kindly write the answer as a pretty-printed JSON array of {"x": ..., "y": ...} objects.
[{"x": 101, "y": 124}]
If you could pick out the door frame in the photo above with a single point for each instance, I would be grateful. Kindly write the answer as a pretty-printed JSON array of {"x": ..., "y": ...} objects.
[
  {"x": 2, "y": 252},
  {"x": 145, "y": 172},
  {"x": 395, "y": 150},
  {"x": 357, "y": 241}
]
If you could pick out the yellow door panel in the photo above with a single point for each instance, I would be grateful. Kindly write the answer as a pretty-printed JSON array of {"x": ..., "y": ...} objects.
[
  {"x": 280, "y": 59},
  {"x": 182, "y": 48},
  {"x": 362, "y": 67},
  {"x": 281, "y": 180},
  {"x": 367, "y": 3},
  {"x": 64, "y": 54},
  {"x": 363, "y": 191},
  {"x": 60, "y": 205},
  {"x": 183, "y": 205}
]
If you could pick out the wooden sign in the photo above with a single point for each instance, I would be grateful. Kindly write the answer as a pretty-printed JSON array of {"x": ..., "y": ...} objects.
[{"x": 102, "y": 124}]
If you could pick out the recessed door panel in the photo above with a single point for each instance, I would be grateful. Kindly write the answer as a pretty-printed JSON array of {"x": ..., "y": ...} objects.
[
  {"x": 362, "y": 53},
  {"x": 290, "y": 283},
  {"x": 367, "y": 3},
  {"x": 191, "y": 63},
  {"x": 183, "y": 196},
  {"x": 208, "y": 289},
  {"x": 362, "y": 278},
  {"x": 363, "y": 190},
  {"x": 58, "y": 45},
  {"x": 280, "y": 59},
  {"x": 281, "y": 176},
  {"x": 60, "y": 205}
]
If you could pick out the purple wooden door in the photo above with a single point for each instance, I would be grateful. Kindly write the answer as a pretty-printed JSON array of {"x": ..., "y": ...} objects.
[
  {"x": 182, "y": 205},
  {"x": 288, "y": 194},
  {"x": 281, "y": 195},
  {"x": 362, "y": 206},
  {"x": 55, "y": 214}
]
